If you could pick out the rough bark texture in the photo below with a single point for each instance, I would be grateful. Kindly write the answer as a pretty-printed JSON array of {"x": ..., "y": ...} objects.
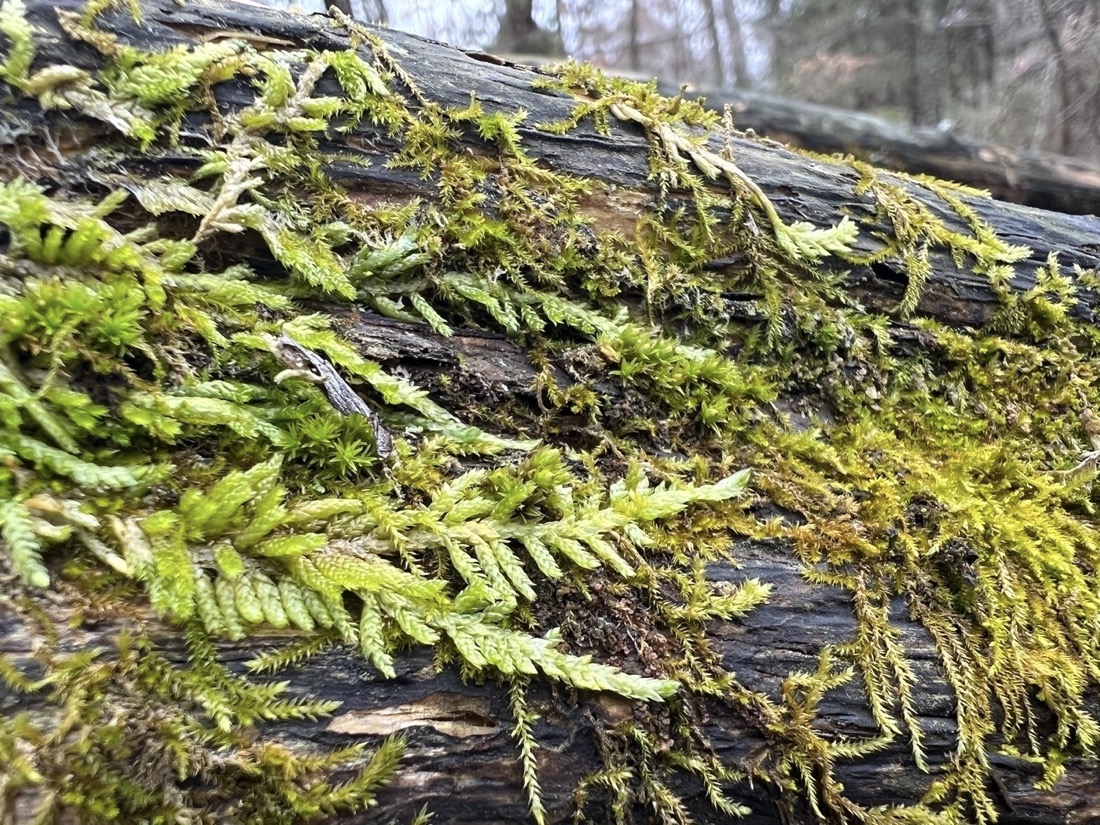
[
  {"x": 1039, "y": 179},
  {"x": 1044, "y": 180},
  {"x": 461, "y": 761},
  {"x": 802, "y": 189}
]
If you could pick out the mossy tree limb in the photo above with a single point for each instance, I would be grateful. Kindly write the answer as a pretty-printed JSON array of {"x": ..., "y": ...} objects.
[
  {"x": 600, "y": 306},
  {"x": 818, "y": 190},
  {"x": 458, "y": 732},
  {"x": 1040, "y": 179}
]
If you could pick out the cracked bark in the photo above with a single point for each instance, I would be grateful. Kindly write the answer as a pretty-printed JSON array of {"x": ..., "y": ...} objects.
[{"x": 461, "y": 761}]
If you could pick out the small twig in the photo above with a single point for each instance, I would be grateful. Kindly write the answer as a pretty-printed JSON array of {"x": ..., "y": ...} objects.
[{"x": 305, "y": 363}]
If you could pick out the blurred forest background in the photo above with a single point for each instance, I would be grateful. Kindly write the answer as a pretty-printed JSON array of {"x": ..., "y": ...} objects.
[{"x": 1020, "y": 73}]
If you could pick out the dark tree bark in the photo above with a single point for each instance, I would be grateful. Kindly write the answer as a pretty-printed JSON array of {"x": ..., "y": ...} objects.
[
  {"x": 341, "y": 5},
  {"x": 461, "y": 761},
  {"x": 520, "y": 33},
  {"x": 1042, "y": 180}
]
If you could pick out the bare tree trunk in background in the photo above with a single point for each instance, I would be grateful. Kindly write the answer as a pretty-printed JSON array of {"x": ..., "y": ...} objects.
[
  {"x": 1080, "y": 42},
  {"x": 927, "y": 62},
  {"x": 737, "y": 47},
  {"x": 518, "y": 21},
  {"x": 710, "y": 17},
  {"x": 374, "y": 11},
  {"x": 681, "y": 57},
  {"x": 970, "y": 44},
  {"x": 341, "y": 5},
  {"x": 1061, "y": 74},
  {"x": 913, "y": 44},
  {"x": 521, "y": 34},
  {"x": 635, "y": 47}
]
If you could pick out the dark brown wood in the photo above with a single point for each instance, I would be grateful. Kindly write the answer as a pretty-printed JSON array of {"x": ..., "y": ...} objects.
[
  {"x": 461, "y": 761},
  {"x": 1044, "y": 180},
  {"x": 1040, "y": 179},
  {"x": 801, "y": 189}
]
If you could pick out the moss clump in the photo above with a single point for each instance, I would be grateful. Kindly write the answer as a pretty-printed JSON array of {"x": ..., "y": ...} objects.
[
  {"x": 124, "y": 735},
  {"x": 150, "y": 433},
  {"x": 146, "y": 426}
]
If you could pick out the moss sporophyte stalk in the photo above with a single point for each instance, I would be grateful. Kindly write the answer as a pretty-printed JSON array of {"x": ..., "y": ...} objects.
[{"x": 159, "y": 452}]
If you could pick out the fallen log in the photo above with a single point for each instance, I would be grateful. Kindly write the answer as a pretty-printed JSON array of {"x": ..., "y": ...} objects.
[
  {"x": 1043, "y": 180},
  {"x": 1040, "y": 179},
  {"x": 894, "y": 619}
]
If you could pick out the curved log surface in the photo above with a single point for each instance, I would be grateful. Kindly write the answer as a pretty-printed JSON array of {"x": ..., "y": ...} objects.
[
  {"x": 461, "y": 761},
  {"x": 1038, "y": 179},
  {"x": 1043, "y": 180},
  {"x": 801, "y": 188}
]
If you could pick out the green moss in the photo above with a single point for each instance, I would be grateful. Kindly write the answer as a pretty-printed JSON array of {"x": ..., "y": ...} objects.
[
  {"x": 128, "y": 736},
  {"x": 147, "y": 433},
  {"x": 952, "y": 490}
]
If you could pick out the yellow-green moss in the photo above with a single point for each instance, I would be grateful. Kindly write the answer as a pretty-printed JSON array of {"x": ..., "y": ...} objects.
[{"x": 144, "y": 435}]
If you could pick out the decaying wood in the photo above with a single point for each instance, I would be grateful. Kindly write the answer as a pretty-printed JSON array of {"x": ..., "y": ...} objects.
[
  {"x": 1039, "y": 179},
  {"x": 461, "y": 761},
  {"x": 1031, "y": 178},
  {"x": 801, "y": 189}
]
